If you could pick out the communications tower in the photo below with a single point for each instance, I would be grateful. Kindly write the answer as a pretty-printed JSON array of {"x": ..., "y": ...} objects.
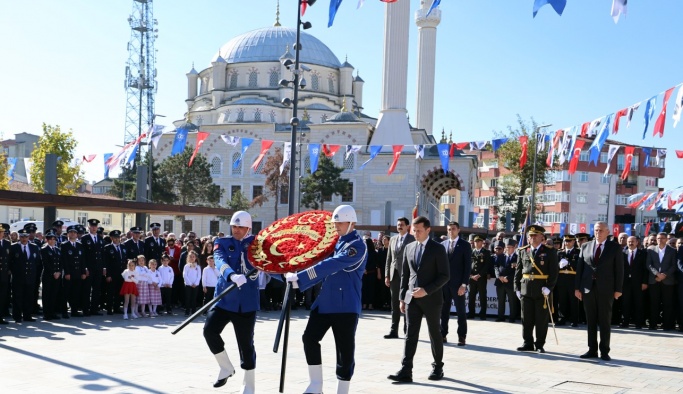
[{"x": 141, "y": 72}]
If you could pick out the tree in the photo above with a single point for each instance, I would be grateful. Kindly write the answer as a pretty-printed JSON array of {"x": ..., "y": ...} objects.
[
  {"x": 518, "y": 182},
  {"x": 239, "y": 202},
  {"x": 161, "y": 189},
  {"x": 63, "y": 144},
  {"x": 323, "y": 184},
  {"x": 276, "y": 183},
  {"x": 190, "y": 185},
  {"x": 4, "y": 175}
]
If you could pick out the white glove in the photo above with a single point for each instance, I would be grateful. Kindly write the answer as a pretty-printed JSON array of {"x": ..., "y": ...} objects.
[
  {"x": 519, "y": 294},
  {"x": 564, "y": 263},
  {"x": 546, "y": 291},
  {"x": 238, "y": 279},
  {"x": 292, "y": 278}
]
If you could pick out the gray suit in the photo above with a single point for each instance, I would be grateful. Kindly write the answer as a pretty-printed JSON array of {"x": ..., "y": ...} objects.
[
  {"x": 393, "y": 269},
  {"x": 661, "y": 293}
]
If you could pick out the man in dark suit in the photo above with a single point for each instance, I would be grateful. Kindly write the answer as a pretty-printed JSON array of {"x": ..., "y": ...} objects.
[
  {"x": 52, "y": 276},
  {"x": 23, "y": 257},
  {"x": 154, "y": 245},
  {"x": 4, "y": 271},
  {"x": 635, "y": 283},
  {"x": 93, "y": 247},
  {"x": 482, "y": 267},
  {"x": 134, "y": 247},
  {"x": 505, "y": 267},
  {"x": 425, "y": 272},
  {"x": 115, "y": 262},
  {"x": 661, "y": 264},
  {"x": 599, "y": 281},
  {"x": 71, "y": 252},
  {"x": 460, "y": 264},
  {"x": 393, "y": 269},
  {"x": 568, "y": 305}
]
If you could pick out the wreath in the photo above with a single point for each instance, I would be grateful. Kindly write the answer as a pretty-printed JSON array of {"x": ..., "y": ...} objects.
[{"x": 294, "y": 243}]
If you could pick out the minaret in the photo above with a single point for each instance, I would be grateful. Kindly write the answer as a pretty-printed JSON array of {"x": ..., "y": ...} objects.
[
  {"x": 192, "y": 77},
  {"x": 426, "y": 49},
  {"x": 392, "y": 126}
]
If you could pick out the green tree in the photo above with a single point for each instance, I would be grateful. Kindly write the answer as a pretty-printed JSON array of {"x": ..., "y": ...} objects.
[
  {"x": 63, "y": 144},
  {"x": 190, "y": 185},
  {"x": 161, "y": 189},
  {"x": 519, "y": 182},
  {"x": 276, "y": 184},
  {"x": 4, "y": 168},
  {"x": 239, "y": 202},
  {"x": 323, "y": 184}
]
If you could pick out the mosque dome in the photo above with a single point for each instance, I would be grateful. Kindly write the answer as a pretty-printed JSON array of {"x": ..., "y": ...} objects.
[{"x": 268, "y": 44}]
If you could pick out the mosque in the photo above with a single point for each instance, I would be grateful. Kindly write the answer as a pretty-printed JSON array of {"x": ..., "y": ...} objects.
[{"x": 239, "y": 95}]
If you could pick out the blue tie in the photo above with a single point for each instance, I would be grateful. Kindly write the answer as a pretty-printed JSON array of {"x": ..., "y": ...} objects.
[{"x": 418, "y": 256}]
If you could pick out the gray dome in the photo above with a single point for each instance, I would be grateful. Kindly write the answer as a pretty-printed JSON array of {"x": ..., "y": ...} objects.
[
  {"x": 344, "y": 117},
  {"x": 268, "y": 45}
]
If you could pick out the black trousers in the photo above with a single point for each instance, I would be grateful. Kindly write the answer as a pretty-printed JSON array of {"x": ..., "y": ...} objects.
[
  {"x": 368, "y": 289},
  {"x": 632, "y": 303},
  {"x": 191, "y": 298},
  {"x": 178, "y": 290},
  {"x": 243, "y": 323},
  {"x": 344, "y": 330},
  {"x": 4, "y": 297},
  {"x": 95, "y": 291},
  {"x": 431, "y": 312},
  {"x": 680, "y": 304},
  {"x": 72, "y": 293},
  {"x": 114, "y": 299},
  {"x": 478, "y": 287},
  {"x": 567, "y": 303},
  {"x": 459, "y": 302},
  {"x": 598, "y": 315},
  {"x": 51, "y": 289},
  {"x": 23, "y": 302},
  {"x": 208, "y": 296},
  {"x": 86, "y": 289},
  {"x": 395, "y": 288},
  {"x": 166, "y": 298},
  {"x": 661, "y": 294},
  {"x": 534, "y": 316},
  {"x": 506, "y": 292}
]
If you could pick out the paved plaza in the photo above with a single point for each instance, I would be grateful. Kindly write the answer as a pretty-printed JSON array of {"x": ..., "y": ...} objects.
[{"x": 101, "y": 354}]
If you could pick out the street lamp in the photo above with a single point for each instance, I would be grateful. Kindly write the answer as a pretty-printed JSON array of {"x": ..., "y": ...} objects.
[{"x": 533, "y": 176}]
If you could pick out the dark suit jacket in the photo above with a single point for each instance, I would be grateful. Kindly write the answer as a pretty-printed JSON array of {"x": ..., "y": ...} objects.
[
  {"x": 636, "y": 272},
  {"x": 153, "y": 250},
  {"x": 505, "y": 268},
  {"x": 115, "y": 263},
  {"x": 4, "y": 260},
  {"x": 459, "y": 264},
  {"x": 24, "y": 269},
  {"x": 134, "y": 249},
  {"x": 92, "y": 252},
  {"x": 52, "y": 261},
  {"x": 72, "y": 259},
  {"x": 608, "y": 271},
  {"x": 394, "y": 264},
  {"x": 432, "y": 274},
  {"x": 667, "y": 266}
]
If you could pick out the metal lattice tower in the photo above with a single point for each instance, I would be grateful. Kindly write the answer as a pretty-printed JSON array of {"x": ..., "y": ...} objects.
[{"x": 141, "y": 72}]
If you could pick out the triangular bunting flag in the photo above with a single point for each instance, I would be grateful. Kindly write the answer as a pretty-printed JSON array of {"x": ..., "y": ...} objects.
[
  {"x": 397, "y": 153},
  {"x": 201, "y": 137},
  {"x": 265, "y": 146}
]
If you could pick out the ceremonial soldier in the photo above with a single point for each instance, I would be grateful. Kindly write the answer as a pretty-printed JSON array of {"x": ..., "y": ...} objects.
[
  {"x": 154, "y": 245},
  {"x": 24, "y": 260},
  {"x": 4, "y": 271},
  {"x": 52, "y": 276},
  {"x": 581, "y": 238},
  {"x": 134, "y": 247},
  {"x": 339, "y": 303},
  {"x": 115, "y": 263},
  {"x": 238, "y": 307},
  {"x": 568, "y": 305},
  {"x": 74, "y": 273},
  {"x": 93, "y": 246},
  {"x": 482, "y": 266},
  {"x": 535, "y": 278}
]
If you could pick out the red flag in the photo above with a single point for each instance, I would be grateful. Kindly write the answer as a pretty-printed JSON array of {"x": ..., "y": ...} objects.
[
  {"x": 459, "y": 145},
  {"x": 553, "y": 146},
  {"x": 89, "y": 158},
  {"x": 661, "y": 120},
  {"x": 679, "y": 154},
  {"x": 582, "y": 227},
  {"x": 628, "y": 150},
  {"x": 553, "y": 228},
  {"x": 388, "y": 1},
  {"x": 584, "y": 129},
  {"x": 617, "y": 116},
  {"x": 654, "y": 202},
  {"x": 265, "y": 145},
  {"x": 524, "y": 141},
  {"x": 615, "y": 230},
  {"x": 330, "y": 150},
  {"x": 647, "y": 228},
  {"x": 637, "y": 203},
  {"x": 201, "y": 136},
  {"x": 578, "y": 145},
  {"x": 304, "y": 4},
  {"x": 397, "y": 154}
]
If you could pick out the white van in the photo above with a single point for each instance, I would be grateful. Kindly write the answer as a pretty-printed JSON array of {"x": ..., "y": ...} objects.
[{"x": 16, "y": 226}]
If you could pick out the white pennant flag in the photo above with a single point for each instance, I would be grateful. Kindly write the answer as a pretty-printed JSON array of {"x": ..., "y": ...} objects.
[
  {"x": 679, "y": 106},
  {"x": 419, "y": 152},
  {"x": 613, "y": 149},
  {"x": 618, "y": 8},
  {"x": 285, "y": 156},
  {"x": 28, "y": 165},
  {"x": 573, "y": 228},
  {"x": 564, "y": 146},
  {"x": 154, "y": 134},
  {"x": 629, "y": 113},
  {"x": 230, "y": 140},
  {"x": 351, "y": 149}
]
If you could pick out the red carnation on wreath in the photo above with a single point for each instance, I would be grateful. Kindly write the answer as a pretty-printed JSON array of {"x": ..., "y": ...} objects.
[{"x": 294, "y": 243}]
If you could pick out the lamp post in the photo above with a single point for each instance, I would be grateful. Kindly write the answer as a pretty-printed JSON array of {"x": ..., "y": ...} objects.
[
  {"x": 533, "y": 176},
  {"x": 150, "y": 147}
]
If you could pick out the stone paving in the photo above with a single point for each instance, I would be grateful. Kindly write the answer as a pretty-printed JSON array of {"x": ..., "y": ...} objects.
[{"x": 101, "y": 354}]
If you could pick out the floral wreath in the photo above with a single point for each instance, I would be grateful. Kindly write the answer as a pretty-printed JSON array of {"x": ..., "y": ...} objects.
[{"x": 294, "y": 243}]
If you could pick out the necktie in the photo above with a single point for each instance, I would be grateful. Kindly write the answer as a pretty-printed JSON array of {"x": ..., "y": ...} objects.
[
  {"x": 25, "y": 251},
  {"x": 507, "y": 260},
  {"x": 418, "y": 256},
  {"x": 73, "y": 244},
  {"x": 598, "y": 251},
  {"x": 451, "y": 247}
]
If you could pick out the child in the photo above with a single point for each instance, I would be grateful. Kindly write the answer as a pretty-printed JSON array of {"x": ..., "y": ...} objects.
[
  {"x": 129, "y": 289},
  {"x": 167, "y": 277},
  {"x": 191, "y": 274},
  {"x": 143, "y": 289},
  {"x": 209, "y": 279},
  {"x": 154, "y": 279}
]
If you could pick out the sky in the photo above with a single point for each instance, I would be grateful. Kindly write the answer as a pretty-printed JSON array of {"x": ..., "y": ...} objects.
[{"x": 63, "y": 63}]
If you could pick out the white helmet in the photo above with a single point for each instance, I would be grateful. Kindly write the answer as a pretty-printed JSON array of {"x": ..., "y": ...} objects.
[
  {"x": 241, "y": 218},
  {"x": 344, "y": 213}
]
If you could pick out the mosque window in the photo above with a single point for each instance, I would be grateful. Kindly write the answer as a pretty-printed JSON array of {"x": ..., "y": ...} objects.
[
  {"x": 315, "y": 81},
  {"x": 216, "y": 166},
  {"x": 253, "y": 78},
  {"x": 198, "y": 120},
  {"x": 238, "y": 169},
  {"x": 274, "y": 78},
  {"x": 307, "y": 165},
  {"x": 257, "y": 115},
  {"x": 330, "y": 83},
  {"x": 350, "y": 162},
  {"x": 233, "y": 79},
  {"x": 259, "y": 168},
  {"x": 240, "y": 115},
  {"x": 323, "y": 118},
  {"x": 272, "y": 116}
]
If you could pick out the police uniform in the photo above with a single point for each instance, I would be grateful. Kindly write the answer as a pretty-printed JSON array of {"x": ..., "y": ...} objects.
[
  {"x": 57, "y": 229},
  {"x": 32, "y": 228},
  {"x": 481, "y": 265},
  {"x": 93, "y": 247},
  {"x": 4, "y": 273},
  {"x": 536, "y": 269},
  {"x": 24, "y": 262},
  {"x": 52, "y": 286},
  {"x": 567, "y": 303},
  {"x": 134, "y": 248},
  {"x": 154, "y": 247},
  {"x": 74, "y": 270},
  {"x": 505, "y": 266},
  {"x": 115, "y": 263}
]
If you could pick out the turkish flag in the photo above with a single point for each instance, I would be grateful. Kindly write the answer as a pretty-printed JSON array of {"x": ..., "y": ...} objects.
[
  {"x": 459, "y": 145},
  {"x": 265, "y": 145},
  {"x": 679, "y": 154},
  {"x": 524, "y": 141},
  {"x": 397, "y": 154},
  {"x": 201, "y": 136},
  {"x": 647, "y": 228},
  {"x": 617, "y": 116},
  {"x": 330, "y": 150},
  {"x": 584, "y": 129},
  {"x": 615, "y": 230},
  {"x": 553, "y": 228},
  {"x": 582, "y": 227},
  {"x": 661, "y": 120},
  {"x": 628, "y": 150},
  {"x": 578, "y": 145}
]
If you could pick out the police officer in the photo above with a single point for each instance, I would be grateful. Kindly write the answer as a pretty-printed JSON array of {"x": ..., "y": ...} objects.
[
  {"x": 154, "y": 245},
  {"x": 339, "y": 303},
  {"x": 115, "y": 263},
  {"x": 238, "y": 307},
  {"x": 567, "y": 304},
  {"x": 4, "y": 271},
  {"x": 535, "y": 278},
  {"x": 93, "y": 246},
  {"x": 57, "y": 229},
  {"x": 74, "y": 273},
  {"x": 482, "y": 266},
  {"x": 504, "y": 268},
  {"x": 24, "y": 260},
  {"x": 134, "y": 247},
  {"x": 52, "y": 276},
  {"x": 31, "y": 228}
]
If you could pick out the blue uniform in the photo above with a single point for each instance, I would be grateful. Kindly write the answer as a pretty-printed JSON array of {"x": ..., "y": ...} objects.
[{"x": 230, "y": 257}]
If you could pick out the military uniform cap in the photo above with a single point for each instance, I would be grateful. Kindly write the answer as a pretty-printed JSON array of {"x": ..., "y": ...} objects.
[
  {"x": 478, "y": 238},
  {"x": 499, "y": 244},
  {"x": 557, "y": 240},
  {"x": 535, "y": 229},
  {"x": 72, "y": 228},
  {"x": 100, "y": 230},
  {"x": 135, "y": 230},
  {"x": 30, "y": 227},
  {"x": 93, "y": 222},
  {"x": 471, "y": 237},
  {"x": 154, "y": 226},
  {"x": 4, "y": 227},
  {"x": 57, "y": 223},
  {"x": 569, "y": 237},
  {"x": 50, "y": 234},
  {"x": 23, "y": 232},
  {"x": 80, "y": 228},
  {"x": 511, "y": 242},
  {"x": 582, "y": 236},
  {"x": 115, "y": 233}
]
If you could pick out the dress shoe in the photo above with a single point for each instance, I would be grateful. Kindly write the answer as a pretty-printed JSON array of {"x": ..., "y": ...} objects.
[
  {"x": 445, "y": 340},
  {"x": 402, "y": 376},
  {"x": 540, "y": 350},
  {"x": 575, "y": 325},
  {"x": 461, "y": 341},
  {"x": 589, "y": 354},
  {"x": 526, "y": 348},
  {"x": 605, "y": 357},
  {"x": 437, "y": 374},
  {"x": 391, "y": 335},
  {"x": 623, "y": 325}
]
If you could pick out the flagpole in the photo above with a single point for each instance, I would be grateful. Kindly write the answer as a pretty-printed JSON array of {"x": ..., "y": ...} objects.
[{"x": 533, "y": 177}]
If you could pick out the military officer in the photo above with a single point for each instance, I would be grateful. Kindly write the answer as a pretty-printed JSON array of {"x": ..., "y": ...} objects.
[
  {"x": 93, "y": 246},
  {"x": 154, "y": 245},
  {"x": 134, "y": 247},
  {"x": 24, "y": 260},
  {"x": 482, "y": 266},
  {"x": 4, "y": 271},
  {"x": 115, "y": 263},
  {"x": 535, "y": 278},
  {"x": 71, "y": 252},
  {"x": 567, "y": 304},
  {"x": 581, "y": 238},
  {"x": 52, "y": 276}
]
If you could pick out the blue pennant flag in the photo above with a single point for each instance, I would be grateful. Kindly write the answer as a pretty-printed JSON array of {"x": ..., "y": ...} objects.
[
  {"x": 627, "y": 228},
  {"x": 107, "y": 156},
  {"x": 522, "y": 231},
  {"x": 563, "y": 228},
  {"x": 334, "y": 6},
  {"x": 592, "y": 228},
  {"x": 599, "y": 141},
  {"x": 558, "y": 5},
  {"x": 246, "y": 142},
  {"x": 649, "y": 113},
  {"x": 497, "y": 143},
  {"x": 12, "y": 161},
  {"x": 179, "y": 141},
  {"x": 374, "y": 151},
  {"x": 647, "y": 152},
  {"x": 444, "y": 151},
  {"x": 314, "y": 154},
  {"x": 435, "y": 4}
]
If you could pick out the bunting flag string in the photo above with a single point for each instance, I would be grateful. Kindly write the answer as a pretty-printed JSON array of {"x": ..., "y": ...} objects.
[
  {"x": 618, "y": 9},
  {"x": 246, "y": 142},
  {"x": 106, "y": 157},
  {"x": 661, "y": 120},
  {"x": 265, "y": 146},
  {"x": 89, "y": 158},
  {"x": 374, "y": 151},
  {"x": 287, "y": 153},
  {"x": 180, "y": 141},
  {"x": 628, "y": 151},
  {"x": 649, "y": 113},
  {"x": 201, "y": 137},
  {"x": 613, "y": 149},
  {"x": 397, "y": 153},
  {"x": 419, "y": 152},
  {"x": 558, "y": 5},
  {"x": 435, "y": 3},
  {"x": 678, "y": 106},
  {"x": 12, "y": 165},
  {"x": 444, "y": 156},
  {"x": 330, "y": 150}
]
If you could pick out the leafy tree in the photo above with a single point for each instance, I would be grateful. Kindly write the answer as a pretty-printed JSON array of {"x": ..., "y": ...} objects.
[
  {"x": 161, "y": 189},
  {"x": 190, "y": 185},
  {"x": 276, "y": 183},
  {"x": 239, "y": 202},
  {"x": 323, "y": 184},
  {"x": 4, "y": 168},
  {"x": 63, "y": 144}
]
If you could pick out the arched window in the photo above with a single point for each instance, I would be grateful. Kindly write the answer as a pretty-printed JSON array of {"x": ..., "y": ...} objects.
[
  {"x": 330, "y": 83},
  {"x": 315, "y": 81},
  {"x": 274, "y": 79},
  {"x": 236, "y": 170},
  {"x": 307, "y": 165},
  {"x": 259, "y": 168},
  {"x": 350, "y": 162},
  {"x": 253, "y": 79},
  {"x": 272, "y": 116},
  {"x": 233, "y": 79},
  {"x": 240, "y": 115},
  {"x": 257, "y": 115},
  {"x": 323, "y": 118},
  {"x": 216, "y": 166}
]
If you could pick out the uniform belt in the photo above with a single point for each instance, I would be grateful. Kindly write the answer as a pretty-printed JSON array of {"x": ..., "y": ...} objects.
[
  {"x": 568, "y": 272},
  {"x": 533, "y": 277}
]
